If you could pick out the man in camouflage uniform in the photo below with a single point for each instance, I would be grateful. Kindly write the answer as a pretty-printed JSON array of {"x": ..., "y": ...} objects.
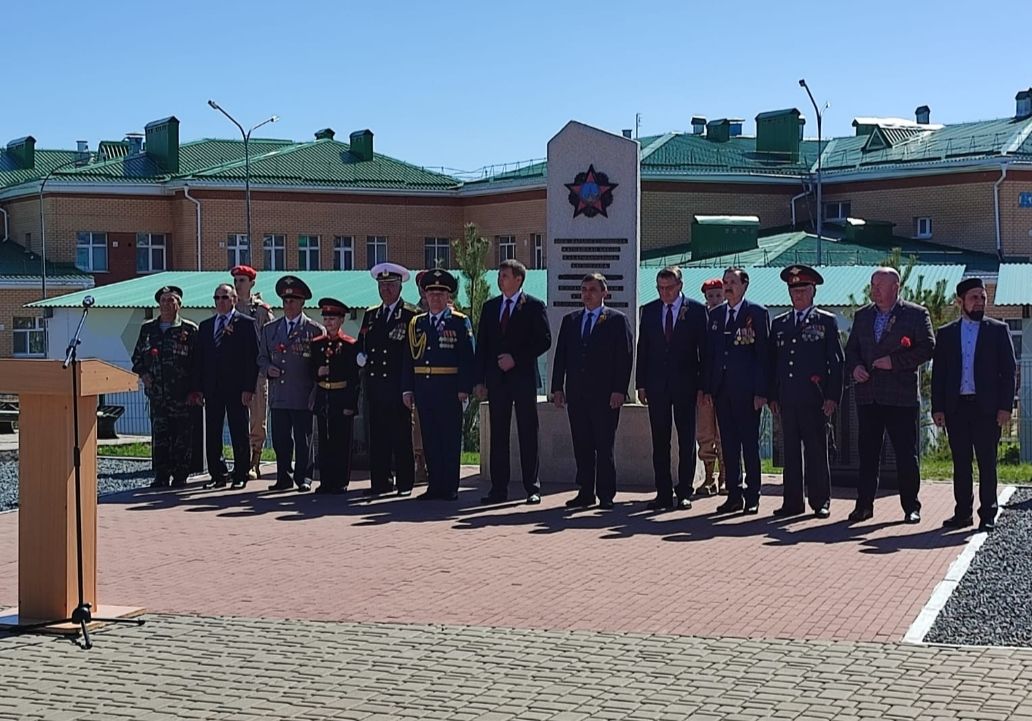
[
  {"x": 250, "y": 303},
  {"x": 162, "y": 358}
]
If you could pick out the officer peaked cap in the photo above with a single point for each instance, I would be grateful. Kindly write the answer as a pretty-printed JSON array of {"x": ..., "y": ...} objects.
[
  {"x": 801, "y": 275},
  {"x": 290, "y": 286},
  {"x": 439, "y": 279},
  {"x": 386, "y": 272},
  {"x": 332, "y": 306}
]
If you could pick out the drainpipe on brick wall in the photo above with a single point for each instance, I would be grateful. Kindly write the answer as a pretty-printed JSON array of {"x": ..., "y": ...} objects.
[
  {"x": 6, "y": 235},
  {"x": 186, "y": 192},
  {"x": 996, "y": 203},
  {"x": 794, "y": 199}
]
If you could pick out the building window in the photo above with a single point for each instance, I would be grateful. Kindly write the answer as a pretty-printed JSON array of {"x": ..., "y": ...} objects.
[
  {"x": 150, "y": 252},
  {"x": 539, "y": 250},
  {"x": 238, "y": 249},
  {"x": 308, "y": 252},
  {"x": 376, "y": 249},
  {"x": 506, "y": 247},
  {"x": 91, "y": 252},
  {"x": 922, "y": 227},
  {"x": 837, "y": 211},
  {"x": 436, "y": 253},
  {"x": 1014, "y": 325},
  {"x": 343, "y": 252},
  {"x": 274, "y": 248},
  {"x": 29, "y": 337}
]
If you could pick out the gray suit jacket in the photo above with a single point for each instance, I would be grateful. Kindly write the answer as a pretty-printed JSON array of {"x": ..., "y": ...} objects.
[
  {"x": 908, "y": 340},
  {"x": 291, "y": 390}
]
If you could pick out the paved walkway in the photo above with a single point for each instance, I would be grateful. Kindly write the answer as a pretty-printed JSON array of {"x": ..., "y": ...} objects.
[
  {"x": 179, "y": 667},
  {"x": 285, "y": 555}
]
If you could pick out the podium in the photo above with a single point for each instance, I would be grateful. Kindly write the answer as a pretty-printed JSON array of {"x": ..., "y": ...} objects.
[{"x": 47, "y": 543}]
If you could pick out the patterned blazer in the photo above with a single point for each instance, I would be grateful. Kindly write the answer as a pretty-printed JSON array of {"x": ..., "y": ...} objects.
[{"x": 908, "y": 340}]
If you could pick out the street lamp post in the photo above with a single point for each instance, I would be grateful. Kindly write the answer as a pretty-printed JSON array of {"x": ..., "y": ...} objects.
[
  {"x": 820, "y": 205},
  {"x": 246, "y": 135},
  {"x": 43, "y": 225}
]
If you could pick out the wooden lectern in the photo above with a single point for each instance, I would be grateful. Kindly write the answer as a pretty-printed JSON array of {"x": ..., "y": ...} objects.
[{"x": 47, "y": 543}]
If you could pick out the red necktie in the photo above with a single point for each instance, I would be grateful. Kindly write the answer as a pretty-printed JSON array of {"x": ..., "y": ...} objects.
[
  {"x": 505, "y": 314},
  {"x": 668, "y": 325}
]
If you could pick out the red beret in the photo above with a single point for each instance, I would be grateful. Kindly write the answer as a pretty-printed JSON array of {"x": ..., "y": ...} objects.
[
  {"x": 244, "y": 270},
  {"x": 713, "y": 284}
]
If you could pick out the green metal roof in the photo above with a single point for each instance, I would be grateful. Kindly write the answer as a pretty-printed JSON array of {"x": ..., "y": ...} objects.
[
  {"x": 46, "y": 160},
  {"x": 782, "y": 249},
  {"x": 18, "y": 263},
  {"x": 1013, "y": 286},
  {"x": 751, "y": 220}
]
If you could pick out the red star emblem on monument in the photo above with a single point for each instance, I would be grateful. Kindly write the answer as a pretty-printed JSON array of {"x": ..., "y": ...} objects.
[{"x": 591, "y": 193}]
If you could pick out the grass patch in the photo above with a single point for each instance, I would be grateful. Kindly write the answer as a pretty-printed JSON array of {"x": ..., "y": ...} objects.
[{"x": 143, "y": 450}]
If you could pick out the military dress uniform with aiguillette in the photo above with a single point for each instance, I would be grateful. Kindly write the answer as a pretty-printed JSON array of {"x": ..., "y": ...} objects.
[
  {"x": 335, "y": 402},
  {"x": 382, "y": 342},
  {"x": 808, "y": 362},
  {"x": 438, "y": 367},
  {"x": 164, "y": 355}
]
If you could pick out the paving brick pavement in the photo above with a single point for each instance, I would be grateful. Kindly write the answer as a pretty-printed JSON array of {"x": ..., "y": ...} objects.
[
  {"x": 254, "y": 554},
  {"x": 189, "y": 667}
]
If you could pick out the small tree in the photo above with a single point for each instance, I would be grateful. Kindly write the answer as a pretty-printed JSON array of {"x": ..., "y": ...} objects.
[{"x": 471, "y": 256}]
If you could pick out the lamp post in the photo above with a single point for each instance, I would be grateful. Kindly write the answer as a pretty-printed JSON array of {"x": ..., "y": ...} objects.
[
  {"x": 820, "y": 204},
  {"x": 43, "y": 246},
  {"x": 246, "y": 135}
]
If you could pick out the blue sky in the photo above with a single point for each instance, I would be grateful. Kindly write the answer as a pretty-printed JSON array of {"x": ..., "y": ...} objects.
[{"x": 467, "y": 84}]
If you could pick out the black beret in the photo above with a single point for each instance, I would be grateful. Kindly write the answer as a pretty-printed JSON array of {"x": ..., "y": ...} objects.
[{"x": 969, "y": 284}]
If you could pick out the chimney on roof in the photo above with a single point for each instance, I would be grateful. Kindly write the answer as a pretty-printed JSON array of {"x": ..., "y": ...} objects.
[
  {"x": 163, "y": 143},
  {"x": 627, "y": 133},
  {"x": 82, "y": 152},
  {"x": 698, "y": 125},
  {"x": 23, "y": 152},
  {"x": 1024, "y": 104},
  {"x": 735, "y": 127},
  {"x": 719, "y": 131},
  {"x": 324, "y": 134},
  {"x": 362, "y": 144},
  {"x": 135, "y": 141},
  {"x": 923, "y": 115},
  {"x": 778, "y": 132}
]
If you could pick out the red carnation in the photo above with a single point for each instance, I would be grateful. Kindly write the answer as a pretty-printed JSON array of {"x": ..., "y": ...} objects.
[
  {"x": 905, "y": 341},
  {"x": 281, "y": 348},
  {"x": 155, "y": 352},
  {"x": 816, "y": 380}
]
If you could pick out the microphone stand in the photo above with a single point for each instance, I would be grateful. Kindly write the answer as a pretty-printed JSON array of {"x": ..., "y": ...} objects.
[{"x": 81, "y": 614}]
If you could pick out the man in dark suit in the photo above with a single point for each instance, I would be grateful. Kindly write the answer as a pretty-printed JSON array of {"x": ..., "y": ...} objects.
[
  {"x": 806, "y": 387},
  {"x": 225, "y": 373},
  {"x": 591, "y": 370},
  {"x": 972, "y": 396},
  {"x": 512, "y": 333},
  {"x": 889, "y": 341},
  {"x": 671, "y": 347},
  {"x": 737, "y": 374}
]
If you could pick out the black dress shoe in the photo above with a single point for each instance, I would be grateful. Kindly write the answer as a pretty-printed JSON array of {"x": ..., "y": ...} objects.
[
  {"x": 987, "y": 526},
  {"x": 426, "y": 496},
  {"x": 730, "y": 506},
  {"x": 304, "y": 487},
  {"x": 215, "y": 483},
  {"x": 704, "y": 491},
  {"x": 179, "y": 483},
  {"x": 861, "y": 513},
  {"x": 684, "y": 504},
  {"x": 159, "y": 483},
  {"x": 405, "y": 494},
  {"x": 956, "y": 521},
  {"x": 494, "y": 498},
  {"x": 606, "y": 505},
  {"x": 281, "y": 486},
  {"x": 580, "y": 501},
  {"x": 237, "y": 483},
  {"x": 785, "y": 512},
  {"x": 822, "y": 512},
  {"x": 533, "y": 499},
  {"x": 912, "y": 517},
  {"x": 450, "y": 496},
  {"x": 751, "y": 509},
  {"x": 322, "y": 489},
  {"x": 659, "y": 504}
]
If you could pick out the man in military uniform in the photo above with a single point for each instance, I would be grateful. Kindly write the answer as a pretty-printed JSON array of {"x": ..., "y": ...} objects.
[
  {"x": 162, "y": 358},
  {"x": 382, "y": 346},
  {"x": 805, "y": 390},
  {"x": 334, "y": 364},
  {"x": 707, "y": 433},
  {"x": 284, "y": 356},
  {"x": 251, "y": 303},
  {"x": 438, "y": 378}
]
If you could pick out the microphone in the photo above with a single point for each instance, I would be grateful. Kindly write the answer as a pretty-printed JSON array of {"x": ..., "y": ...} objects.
[{"x": 88, "y": 301}]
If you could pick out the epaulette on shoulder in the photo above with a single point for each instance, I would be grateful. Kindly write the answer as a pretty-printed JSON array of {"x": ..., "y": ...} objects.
[
  {"x": 189, "y": 323},
  {"x": 410, "y": 307},
  {"x": 320, "y": 337},
  {"x": 348, "y": 339},
  {"x": 458, "y": 314},
  {"x": 372, "y": 308}
]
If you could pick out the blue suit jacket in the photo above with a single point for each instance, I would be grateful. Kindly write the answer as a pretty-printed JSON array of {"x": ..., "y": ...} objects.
[
  {"x": 738, "y": 359},
  {"x": 673, "y": 368},
  {"x": 590, "y": 372}
]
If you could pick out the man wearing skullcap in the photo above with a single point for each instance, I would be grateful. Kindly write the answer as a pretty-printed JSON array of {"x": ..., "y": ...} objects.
[
  {"x": 162, "y": 358},
  {"x": 806, "y": 388},
  {"x": 250, "y": 303},
  {"x": 707, "y": 432},
  {"x": 284, "y": 356},
  {"x": 382, "y": 346},
  {"x": 972, "y": 397}
]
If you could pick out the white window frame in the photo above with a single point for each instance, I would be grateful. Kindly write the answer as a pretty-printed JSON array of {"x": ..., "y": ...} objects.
[
  {"x": 95, "y": 242},
  {"x": 506, "y": 245},
  {"x": 374, "y": 245},
  {"x": 274, "y": 251},
  {"x": 842, "y": 210},
  {"x": 926, "y": 230},
  {"x": 238, "y": 249},
  {"x": 343, "y": 252},
  {"x": 308, "y": 252},
  {"x": 147, "y": 242},
  {"x": 436, "y": 249},
  {"x": 38, "y": 331},
  {"x": 538, "y": 242}
]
